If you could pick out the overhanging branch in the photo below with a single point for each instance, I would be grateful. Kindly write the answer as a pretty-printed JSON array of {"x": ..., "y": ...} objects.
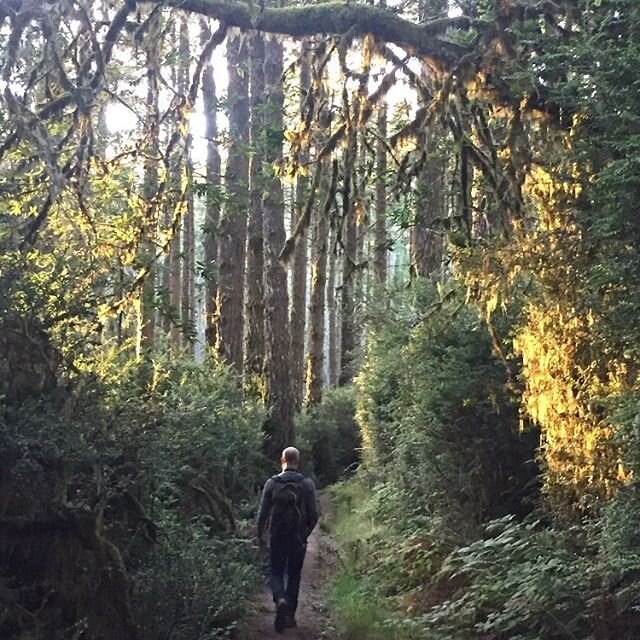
[{"x": 338, "y": 18}]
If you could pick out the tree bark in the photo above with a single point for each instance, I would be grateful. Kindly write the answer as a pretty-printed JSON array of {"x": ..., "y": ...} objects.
[
  {"x": 189, "y": 258},
  {"x": 380, "y": 235},
  {"x": 254, "y": 357},
  {"x": 279, "y": 390},
  {"x": 361, "y": 212},
  {"x": 336, "y": 18},
  {"x": 332, "y": 311},
  {"x": 175, "y": 265},
  {"x": 299, "y": 274},
  {"x": 212, "y": 200},
  {"x": 188, "y": 240},
  {"x": 177, "y": 202},
  {"x": 320, "y": 245},
  {"x": 349, "y": 243},
  {"x": 426, "y": 239},
  {"x": 146, "y": 318},
  {"x": 233, "y": 226}
]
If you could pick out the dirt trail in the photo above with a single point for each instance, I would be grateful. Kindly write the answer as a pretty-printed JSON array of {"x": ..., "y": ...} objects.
[{"x": 313, "y": 617}]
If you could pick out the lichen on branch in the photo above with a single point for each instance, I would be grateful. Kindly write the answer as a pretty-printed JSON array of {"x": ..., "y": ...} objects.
[{"x": 425, "y": 40}]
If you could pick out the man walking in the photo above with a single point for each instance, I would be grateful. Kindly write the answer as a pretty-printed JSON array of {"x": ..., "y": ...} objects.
[{"x": 288, "y": 507}]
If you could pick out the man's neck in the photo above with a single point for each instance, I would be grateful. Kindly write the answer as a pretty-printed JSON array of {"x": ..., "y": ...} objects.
[{"x": 289, "y": 468}]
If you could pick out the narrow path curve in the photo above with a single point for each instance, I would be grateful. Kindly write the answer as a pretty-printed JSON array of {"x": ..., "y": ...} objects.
[{"x": 313, "y": 616}]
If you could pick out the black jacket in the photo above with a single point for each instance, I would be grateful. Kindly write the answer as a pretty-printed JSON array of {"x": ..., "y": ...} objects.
[{"x": 309, "y": 493}]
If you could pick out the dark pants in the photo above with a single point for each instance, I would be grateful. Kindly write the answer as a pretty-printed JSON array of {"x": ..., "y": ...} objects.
[{"x": 287, "y": 557}]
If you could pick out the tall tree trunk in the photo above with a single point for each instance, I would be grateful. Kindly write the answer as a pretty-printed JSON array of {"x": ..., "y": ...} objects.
[
  {"x": 361, "y": 206},
  {"x": 175, "y": 247},
  {"x": 233, "y": 226},
  {"x": 146, "y": 318},
  {"x": 426, "y": 238},
  {"x": 332, "y": 311},
  {"x": 212, "y": 200},
  {"x": 381, "y": 241},
  {"x": 189, "y": 257},
  {"x": 466, "y": 183},
  {"x": 319, "y": 247},
  {"x": 254, "y": 356},
  {"x": 175, "y": 264},
  {"x": 188, "y": 239},
  {"x": 349, "y": 243},
  {"x": 279, "y": 390},
  {"x": 426, "y": 242},
  {"x": 299, "y": 275}
]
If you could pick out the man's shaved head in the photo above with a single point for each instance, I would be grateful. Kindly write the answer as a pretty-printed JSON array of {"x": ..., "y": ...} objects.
[{"x": 290, "y": 458}]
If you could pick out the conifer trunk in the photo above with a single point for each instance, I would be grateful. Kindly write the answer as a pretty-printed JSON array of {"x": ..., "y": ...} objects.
[
  {"x": 188, "y": 239},
  {"x": 254, "y": 356},
  {"x": 189, "y": 257},
  {"x": 176, "y": 214},
  {"x": 299, "y": 274},
  {"x": 380, "y": 236},
  {"x": 279, "y": 390},
  {"x": 426, "y": 242},
  {"x": 146, "y": 319},
  {"x": 426, "y": 238},
  {"x": 332, "y": 346},
  {"x": 175, "y": 265},
  {"x": 319, "y": 247},
  {"x": 212, "y": 207},
  {"x": 349, "y": 242},
  {"x": 361, "y": 213},
  {"x": 233, "y": 226}
]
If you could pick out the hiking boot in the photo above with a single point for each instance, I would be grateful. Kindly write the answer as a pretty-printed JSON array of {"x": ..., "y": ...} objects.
[
  {"x": 290, "y": 622},
  {"x": 282, "y": 615}
]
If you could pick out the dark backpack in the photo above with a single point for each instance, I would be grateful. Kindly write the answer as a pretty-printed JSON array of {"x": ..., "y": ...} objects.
[{"x": 288, "y": 511}]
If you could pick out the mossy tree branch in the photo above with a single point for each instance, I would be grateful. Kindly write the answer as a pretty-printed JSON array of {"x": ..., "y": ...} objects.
[{"x": 339, "y": 18}]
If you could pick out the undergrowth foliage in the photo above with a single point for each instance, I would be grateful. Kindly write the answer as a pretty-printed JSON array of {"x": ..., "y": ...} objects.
[
  {"x": 440, "y": 424},
  {"x": 131, "y": 489},
  {"x": 444, "y": 533},
  {"x": 328, "y": 436}
]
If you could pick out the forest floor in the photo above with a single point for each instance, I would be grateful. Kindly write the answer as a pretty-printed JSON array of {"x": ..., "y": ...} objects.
[{"x": 313, "y": 615}]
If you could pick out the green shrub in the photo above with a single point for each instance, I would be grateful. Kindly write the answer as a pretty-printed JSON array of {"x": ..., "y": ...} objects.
[
  {"x": 520, "y": 581},
  {"x": 142, "y": 476},
  {"x": 195, "y": 585},
  {"x": 329, "y": 435},
  {"x": 441, "y": 427},
  {"x": 198, "y": 442}
]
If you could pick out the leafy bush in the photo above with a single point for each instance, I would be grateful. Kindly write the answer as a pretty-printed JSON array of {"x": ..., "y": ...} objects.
[
  {"x": 194, "y": 586},
  {"x": 441, "y": 427},
  {"x": 521, "y": 580},
  {"x": 198, "y": 442},
  {"x": 135, "y": 481},
  {"x": 530, "y": 581},
  {"x": 190, "y": 423},
  {"x": 443, "y": 455},
  {"x": 329, "y": 435}
]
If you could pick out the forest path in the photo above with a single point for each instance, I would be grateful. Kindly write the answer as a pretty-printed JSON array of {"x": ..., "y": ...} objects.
[{"x": 314, "y": 622}]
